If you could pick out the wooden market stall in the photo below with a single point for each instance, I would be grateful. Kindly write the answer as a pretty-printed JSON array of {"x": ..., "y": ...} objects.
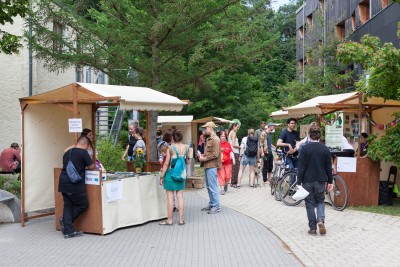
[
  {"x": 45, "y": 135},
  {"x": 363, "y": 180}
]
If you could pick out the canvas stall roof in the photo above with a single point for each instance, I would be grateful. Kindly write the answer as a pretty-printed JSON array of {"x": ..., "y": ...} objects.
[
  {"x": 280, "y": 114},
  {"x": 312, "y": 106},
  {"x": 175, "y": 119},
  {"x": 214, "y": 119},
  {"x": 128, "y": 97}
]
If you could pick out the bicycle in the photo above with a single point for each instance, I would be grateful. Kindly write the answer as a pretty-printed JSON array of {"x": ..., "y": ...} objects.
[
  {"x": 279, "y": 170},
  {"x": 338, "y": 197}
]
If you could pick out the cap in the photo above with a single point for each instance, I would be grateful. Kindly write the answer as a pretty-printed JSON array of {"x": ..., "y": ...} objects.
[
  {"x": 271, "y": 124},
  {"x": 209, "y": 124}
]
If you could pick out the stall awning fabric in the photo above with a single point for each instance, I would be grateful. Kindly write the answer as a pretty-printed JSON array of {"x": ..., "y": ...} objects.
[
  {"x": 216, "y": 120},
  {"x": 175, "y": 119},
  {"x": 128, "y": 97},
  {"x": 280, "y": 114}
]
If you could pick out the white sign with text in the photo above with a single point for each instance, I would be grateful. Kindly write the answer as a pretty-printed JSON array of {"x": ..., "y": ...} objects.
[
  {"x": 92, "y": 177},
  {"x": 75, "y": 125}
]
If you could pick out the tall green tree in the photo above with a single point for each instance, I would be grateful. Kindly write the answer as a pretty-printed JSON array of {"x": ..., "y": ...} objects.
[
  {"x": 171, "y": 46},
  {"x": 10, "y": 43}
]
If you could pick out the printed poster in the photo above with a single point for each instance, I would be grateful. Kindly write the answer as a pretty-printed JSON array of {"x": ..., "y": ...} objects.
[{"x": 334, "y": 131}]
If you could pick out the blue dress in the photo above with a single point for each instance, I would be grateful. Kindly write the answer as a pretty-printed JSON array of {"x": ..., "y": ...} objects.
[{"x": 169, "y": 183}]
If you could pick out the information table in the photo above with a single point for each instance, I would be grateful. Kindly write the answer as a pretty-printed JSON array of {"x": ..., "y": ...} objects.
[{"x": 118, "y": 203}]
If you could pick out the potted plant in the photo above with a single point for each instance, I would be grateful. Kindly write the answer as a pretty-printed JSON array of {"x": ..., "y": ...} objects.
[{"x": 140, "y": 160}]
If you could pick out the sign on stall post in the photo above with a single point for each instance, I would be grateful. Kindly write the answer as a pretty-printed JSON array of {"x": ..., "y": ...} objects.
[
  {"x": 75, "y": 125},
  {"x": 92, "y": 177},
  {"x": 334, "y": 130}
]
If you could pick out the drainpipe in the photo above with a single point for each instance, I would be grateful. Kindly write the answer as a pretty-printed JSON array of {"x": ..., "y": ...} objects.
[
  {"x": 304, "y": 36},
  {"x": 370, "y": 9},
  {"x": 30, "y": 49}
]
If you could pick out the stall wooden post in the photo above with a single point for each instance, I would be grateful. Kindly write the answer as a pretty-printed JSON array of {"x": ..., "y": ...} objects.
[{"x": 75, "y": 105}]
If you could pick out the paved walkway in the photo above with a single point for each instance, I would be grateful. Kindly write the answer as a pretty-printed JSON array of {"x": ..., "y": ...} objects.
[
  {"x": 225, "y": 239},
  {"x": 353, "y": 238}
]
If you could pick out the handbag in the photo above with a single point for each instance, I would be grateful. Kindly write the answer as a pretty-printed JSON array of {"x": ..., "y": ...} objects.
[
  {"x": 72, "y": 173},
  {"x": 300, "y": 194}
]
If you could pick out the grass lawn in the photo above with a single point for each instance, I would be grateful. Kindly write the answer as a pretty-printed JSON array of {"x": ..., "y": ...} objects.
[{"x": 388, "y": 210}]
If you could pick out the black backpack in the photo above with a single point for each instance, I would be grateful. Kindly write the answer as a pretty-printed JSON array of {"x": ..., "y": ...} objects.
[
  {"x": 251, "y": 146},
  {"x": 385, "y": 194}
]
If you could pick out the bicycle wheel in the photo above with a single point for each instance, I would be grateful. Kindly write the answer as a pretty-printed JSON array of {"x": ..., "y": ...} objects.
[
  {"x": 338, "y": 197},
  {"x": 287, "y": 188},
  {"x": 275, "y": 177}
]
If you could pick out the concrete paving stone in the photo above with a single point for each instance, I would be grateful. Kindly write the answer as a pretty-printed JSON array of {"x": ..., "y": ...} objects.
[
  {"x": 353, "y": 238},
  {"x": 225, "y": 239}
]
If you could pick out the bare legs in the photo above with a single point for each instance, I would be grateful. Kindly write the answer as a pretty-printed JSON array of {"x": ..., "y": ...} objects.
[
  {"x": 240, "y": 176},
  {"x": 179, "y": 196},
  {"x": 170, "y": 205}
]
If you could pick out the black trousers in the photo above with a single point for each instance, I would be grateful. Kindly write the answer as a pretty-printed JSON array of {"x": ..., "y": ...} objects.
[
  {"x": 268, "y": 165},
  {"x": 74, "y": 205}
]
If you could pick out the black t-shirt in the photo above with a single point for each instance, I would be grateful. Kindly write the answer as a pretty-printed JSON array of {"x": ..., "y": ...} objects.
[
  {"x": 81, "y": 159},
  {"x": 290, "y": 138},
  {"x": 132, "y": 143}
]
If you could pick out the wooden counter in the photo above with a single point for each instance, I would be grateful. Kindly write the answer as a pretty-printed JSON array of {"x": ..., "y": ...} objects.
[
  {"x": 142, "y": 200},
  {"x": 363, "y": 185}
]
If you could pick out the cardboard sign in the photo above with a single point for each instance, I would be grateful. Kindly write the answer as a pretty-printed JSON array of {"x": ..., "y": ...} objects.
[
  {"x": 75, "y": 125},
  {"x": 92, "y": 177}
]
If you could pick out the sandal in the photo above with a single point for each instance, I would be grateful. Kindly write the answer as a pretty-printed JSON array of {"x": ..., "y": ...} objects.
[
  {"x": 238, "y": 186},
  {"x": 164, "y": 223},
  {"x": 181, "y": 223}
]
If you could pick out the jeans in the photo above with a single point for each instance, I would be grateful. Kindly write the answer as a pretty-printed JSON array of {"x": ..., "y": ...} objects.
[
  {"x": 315, "y": 200},
  {"x": 293, "y": 163},
  {"x": 74, "y": 205},
  {"x": 212, "y": 187}
]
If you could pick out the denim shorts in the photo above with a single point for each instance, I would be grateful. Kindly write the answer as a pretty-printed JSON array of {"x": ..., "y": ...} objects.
[{"x": 251, "y": 161}]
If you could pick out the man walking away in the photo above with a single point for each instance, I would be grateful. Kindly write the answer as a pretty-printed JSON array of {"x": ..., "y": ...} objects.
[
  {"x": 211, "y": 160},
  {"x": 315, "y": 170},
  {"x": 74, "y": 194}
]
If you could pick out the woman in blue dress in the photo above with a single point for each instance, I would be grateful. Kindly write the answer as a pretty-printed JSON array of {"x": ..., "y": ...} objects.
[{"x": 177, "y": 149}]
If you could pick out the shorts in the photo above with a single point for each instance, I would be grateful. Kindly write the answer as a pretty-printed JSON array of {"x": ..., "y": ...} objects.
[
  {"x": 251, "y": 161},
  {"x": 224, "y": 174}
]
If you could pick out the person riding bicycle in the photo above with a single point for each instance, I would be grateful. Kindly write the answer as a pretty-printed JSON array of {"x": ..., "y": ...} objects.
[{"x": 314, "y": 172}]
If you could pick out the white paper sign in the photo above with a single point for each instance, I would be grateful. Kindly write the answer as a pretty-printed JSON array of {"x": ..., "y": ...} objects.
[
  {"x": 345, "y": 164},
  {"x": 113, "y": 191},
  {"x": 92, "y": 177},
  {"x": 75, "y": 125}
]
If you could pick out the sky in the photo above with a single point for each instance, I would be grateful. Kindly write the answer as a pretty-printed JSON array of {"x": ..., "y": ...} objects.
[{"x": 277, "y": 3}]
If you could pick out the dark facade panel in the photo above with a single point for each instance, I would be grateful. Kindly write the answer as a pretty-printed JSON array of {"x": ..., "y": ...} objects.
[{"x": 384, "y": 26}]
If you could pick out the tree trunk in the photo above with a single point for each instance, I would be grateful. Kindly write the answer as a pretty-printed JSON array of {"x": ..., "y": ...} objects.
[{"x": 153, "y": 115}]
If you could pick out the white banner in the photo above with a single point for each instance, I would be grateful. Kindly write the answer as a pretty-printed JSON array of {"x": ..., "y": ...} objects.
[{"x": 334, "y": 131}]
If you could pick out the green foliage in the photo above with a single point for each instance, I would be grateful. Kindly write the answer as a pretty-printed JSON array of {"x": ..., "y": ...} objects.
[
  {"x": 10, "y": 43},
  {"x": 109, "y": 155},
  {"x": 11, "y": 184},
  {"x": 387, "y": 148},
  {"x": 381, "y": 63},
  {"x": 322, "y": 74}
]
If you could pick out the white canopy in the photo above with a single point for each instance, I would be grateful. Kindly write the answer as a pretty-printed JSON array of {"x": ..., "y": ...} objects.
[
  {"x": 175, "y": 119},
  {"x": 279, "y": 114},
  {"x": 128, "y": 97},
  {"x": 312, "y": 106}
]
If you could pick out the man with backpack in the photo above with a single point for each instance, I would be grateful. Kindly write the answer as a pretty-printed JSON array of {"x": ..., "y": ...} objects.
[
  {"x": 211, "y": 160},
  {"x": 248, "y": 156},
  {"x": 266, "y": 152}
]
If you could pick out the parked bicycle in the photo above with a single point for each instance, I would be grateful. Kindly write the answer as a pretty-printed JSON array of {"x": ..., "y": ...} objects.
[
  {"x": 278, "y": 172},
  {"x": 338, "y": 197}
]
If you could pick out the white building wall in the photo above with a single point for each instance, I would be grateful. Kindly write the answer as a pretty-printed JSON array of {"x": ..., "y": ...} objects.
[{"x": 14, "y": 84}]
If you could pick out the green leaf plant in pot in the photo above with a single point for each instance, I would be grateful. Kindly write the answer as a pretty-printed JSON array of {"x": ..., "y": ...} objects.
[{"x": 140, "y": 160}]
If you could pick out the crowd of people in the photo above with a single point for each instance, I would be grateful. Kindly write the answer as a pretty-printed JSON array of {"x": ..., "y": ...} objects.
[{"x": 221, "y": 155}]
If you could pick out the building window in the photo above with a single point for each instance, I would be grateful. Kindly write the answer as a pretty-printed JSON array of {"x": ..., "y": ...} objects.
[
  {"x": 385, "y": 3},
  {"x": 353, "y": 21},
  {"x": 58, "y": 36},
  {"x": 309, "y": 21},
  {"x": 363, "y": 9},
  {"x": 301, "y": 32},
  {"x": 340, "y": 30},
  {"x": 321, "y": 4}
]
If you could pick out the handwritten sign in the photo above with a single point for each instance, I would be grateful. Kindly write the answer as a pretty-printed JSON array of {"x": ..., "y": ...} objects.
[{"x": 75, "y": 125}]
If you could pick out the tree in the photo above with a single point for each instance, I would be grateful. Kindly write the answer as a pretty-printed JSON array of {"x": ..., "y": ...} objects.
[
  {"x": 10, "y": 43},
  {"x": 322, "y": 74},
  {"x": 380, "y": 61},
  {"x": 171, "y": 46}
]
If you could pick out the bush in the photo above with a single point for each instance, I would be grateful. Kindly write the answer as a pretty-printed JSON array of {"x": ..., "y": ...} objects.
[
  {"x": 11, "y": 184},
  {"x": 110, "y": 156}
]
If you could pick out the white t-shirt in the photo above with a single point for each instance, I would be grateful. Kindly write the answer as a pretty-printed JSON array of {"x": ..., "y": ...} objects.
[{"x": 345, "y": 144}]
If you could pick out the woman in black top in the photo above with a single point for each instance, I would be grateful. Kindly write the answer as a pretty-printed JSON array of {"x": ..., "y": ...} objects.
[{"x": 131, "y": 143}]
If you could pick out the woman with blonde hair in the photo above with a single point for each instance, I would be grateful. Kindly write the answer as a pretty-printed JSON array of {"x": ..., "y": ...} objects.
[{"x": 248, "y": 155}]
